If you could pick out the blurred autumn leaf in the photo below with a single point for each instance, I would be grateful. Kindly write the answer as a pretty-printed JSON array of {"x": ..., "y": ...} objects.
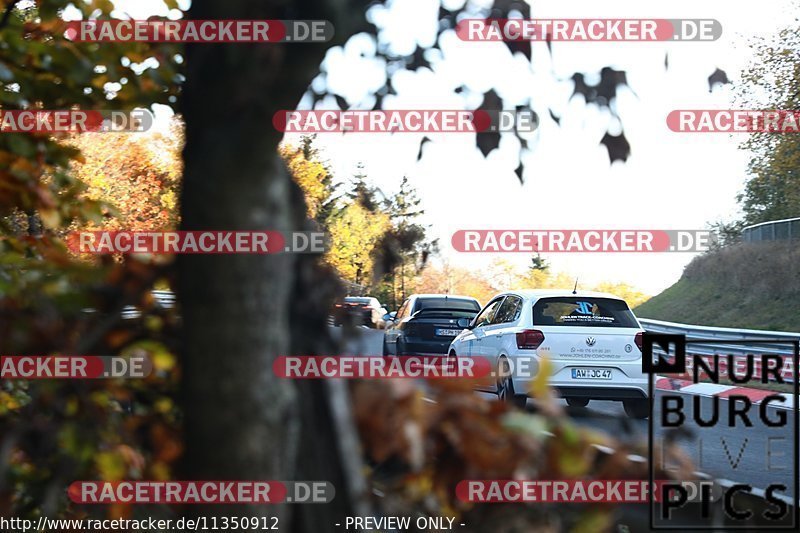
[{"x": 422, "y": 444}]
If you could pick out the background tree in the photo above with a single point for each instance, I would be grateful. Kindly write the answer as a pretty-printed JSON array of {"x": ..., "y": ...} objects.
[
  {"x": 52, "y": 432},
  {"x": 43, "y": 70},
  {"x": 362, "y": 192},
  {"x": 502, "y": 275},
  {"x": 631, "y": 295},
  {"x": 449, "y": 279},
  {"x": 355, "y": 232},
  {"x": 406, "y": 244},
  {"x": 539, "y": 263},
  {"x": 314, "y": 177},
  {"x": 772, "y": 81},
  {"x": 137, "y": 176},
  {"x": 362, "y": 223}
]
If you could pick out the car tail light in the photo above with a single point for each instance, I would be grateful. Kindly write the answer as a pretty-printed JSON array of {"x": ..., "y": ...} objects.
[
  {"x": 638, "y": 340},
  {"x": 365, "y": 307},
  {"x": 529, "y": 339},
  {"x": 338, "y": 305}
]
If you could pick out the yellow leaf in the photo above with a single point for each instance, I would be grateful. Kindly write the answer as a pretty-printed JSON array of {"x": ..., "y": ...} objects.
[
  {"x": 163, "y": 360},
  {"x": 50, "y": 217},
  {"x": 111, "y": 466},
  {"x": 8, "y": 402},
  {"x": 163, "y": 405},
  {"x": 71, "y": 408},
  {"x": 539, "y": 385},
  {"x": 160, "y": 471}
]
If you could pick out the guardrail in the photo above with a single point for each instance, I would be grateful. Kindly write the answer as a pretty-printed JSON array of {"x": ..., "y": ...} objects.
[
  {"x": 756, "y": 338},
  {"x": 729, "y": 334},
  {"x": 774, "y": 230}
]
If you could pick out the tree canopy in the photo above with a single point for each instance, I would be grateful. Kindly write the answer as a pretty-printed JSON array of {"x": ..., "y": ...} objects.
[{"x": 772, "y": 81}]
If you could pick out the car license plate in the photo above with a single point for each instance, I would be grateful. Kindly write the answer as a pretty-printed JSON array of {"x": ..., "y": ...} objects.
[
  {"x": 591, "y": 373},
  {"x": 447, "y": 332}
]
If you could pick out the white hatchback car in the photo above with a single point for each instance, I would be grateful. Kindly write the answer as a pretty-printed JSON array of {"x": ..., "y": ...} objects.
[{"x": 592, "y": 339}]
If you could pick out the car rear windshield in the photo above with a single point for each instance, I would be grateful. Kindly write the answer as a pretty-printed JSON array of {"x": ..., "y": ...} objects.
[
  {"x": 583, "y": 311},
  {"x": 448, "y": 303},
  {"x": 435, "y": 312}
]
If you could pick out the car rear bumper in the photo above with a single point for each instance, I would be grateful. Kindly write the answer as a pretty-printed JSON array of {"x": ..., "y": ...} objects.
[
  {"x": 627, "y": 380},
  {"x": 603, "y": 393},
  {"x": 412, "y": 346}
]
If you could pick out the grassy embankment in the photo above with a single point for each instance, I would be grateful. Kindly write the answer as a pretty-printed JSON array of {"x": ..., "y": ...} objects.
[{"x": 748, "y": 286}]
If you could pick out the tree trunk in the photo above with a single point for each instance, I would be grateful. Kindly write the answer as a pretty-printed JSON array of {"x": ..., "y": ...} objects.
[
  {"x": 241, "y": 311},
  {"x": 34, "y": 224}
]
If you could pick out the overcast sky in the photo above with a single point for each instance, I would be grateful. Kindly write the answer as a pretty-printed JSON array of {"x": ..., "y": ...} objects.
[{"x": 671, "y": 180}]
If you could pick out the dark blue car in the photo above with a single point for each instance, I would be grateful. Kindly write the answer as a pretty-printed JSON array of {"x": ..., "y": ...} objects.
[{"x": 426, "y": 323}]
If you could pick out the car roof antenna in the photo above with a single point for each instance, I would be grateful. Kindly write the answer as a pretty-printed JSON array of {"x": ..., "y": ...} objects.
[{"x": 575, "y": 290}]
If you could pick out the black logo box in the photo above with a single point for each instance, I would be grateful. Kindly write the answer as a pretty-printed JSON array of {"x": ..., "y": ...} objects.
[{"x": 678, "y": 366}]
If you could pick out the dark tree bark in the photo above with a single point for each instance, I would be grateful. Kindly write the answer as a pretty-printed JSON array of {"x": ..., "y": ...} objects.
[
  {"x": 242, "y": 311},
  {"x": 34, "y": 224}
]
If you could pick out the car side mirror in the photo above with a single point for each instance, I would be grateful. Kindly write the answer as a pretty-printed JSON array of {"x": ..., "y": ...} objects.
[{"x": 464, "y": 323}]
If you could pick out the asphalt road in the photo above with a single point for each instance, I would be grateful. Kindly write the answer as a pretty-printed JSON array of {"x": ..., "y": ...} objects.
[{"x": 759, "y": 455}]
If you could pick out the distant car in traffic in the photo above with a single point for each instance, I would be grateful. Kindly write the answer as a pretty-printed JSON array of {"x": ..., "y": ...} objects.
[
  {"x": 426, "y": 323},
  {"x": 593, "y": 341},
  {"x": 161, "y": 300},
  {"x": 359, "y": 311}
]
